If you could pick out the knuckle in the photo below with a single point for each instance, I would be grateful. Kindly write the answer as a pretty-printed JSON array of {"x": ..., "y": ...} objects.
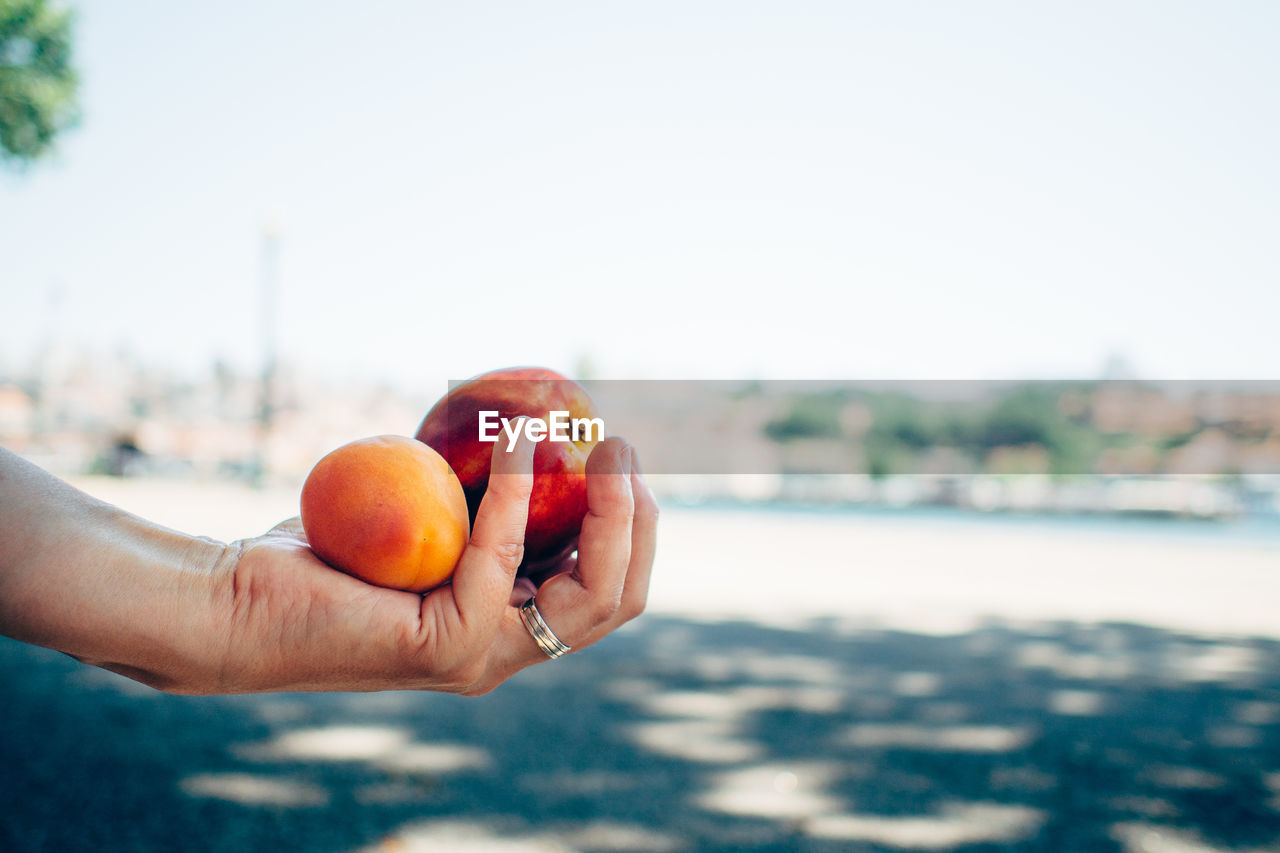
[
  {"x": 632, "y": 607},
  {"x": 476, "y": 689},
  {"x": 647, "y": 509},
  {"x": 508, "y": 555},
  {"x": 606, "y": 457},
  {"x": 465, "y": 674},
  {"x": 618, "y": 504},
  {"x": 511, "y": 487},
  {"x": 604, "y": 607}
]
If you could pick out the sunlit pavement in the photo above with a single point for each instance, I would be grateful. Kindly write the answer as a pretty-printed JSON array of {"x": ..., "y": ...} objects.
[
  {"x": 679, "y": 735},
  {"x": 923, "y": 572}
]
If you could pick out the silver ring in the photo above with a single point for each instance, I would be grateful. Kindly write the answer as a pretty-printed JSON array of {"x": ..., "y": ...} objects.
[{"x": 542, "y": 634}]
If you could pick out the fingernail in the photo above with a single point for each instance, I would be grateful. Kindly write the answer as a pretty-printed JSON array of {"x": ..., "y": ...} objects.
[
  {"x": 635, "y": 461},
  {"x": 520, "y": 441}
]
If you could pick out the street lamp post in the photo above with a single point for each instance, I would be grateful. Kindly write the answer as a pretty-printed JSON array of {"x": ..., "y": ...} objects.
[{"x": 266, "y": 400}]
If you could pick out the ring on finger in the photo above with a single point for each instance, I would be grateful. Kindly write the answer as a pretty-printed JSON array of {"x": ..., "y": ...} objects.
[{"x": 542, "y": 634}]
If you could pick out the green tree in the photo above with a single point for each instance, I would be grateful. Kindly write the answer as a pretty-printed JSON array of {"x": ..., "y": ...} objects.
[
  {"x": 811, "y": 416},
  {"x": 37, "y": 81},
  {"x": 1031, "y": 415}
]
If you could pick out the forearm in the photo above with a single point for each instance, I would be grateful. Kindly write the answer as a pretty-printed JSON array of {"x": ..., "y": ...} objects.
[{"x": 91, "y": 580}]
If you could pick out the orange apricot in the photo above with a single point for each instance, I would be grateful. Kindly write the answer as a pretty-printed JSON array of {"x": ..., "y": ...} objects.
[{"x": 388, "y": 510}]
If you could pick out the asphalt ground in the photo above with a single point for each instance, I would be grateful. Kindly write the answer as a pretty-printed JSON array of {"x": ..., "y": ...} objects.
[{"x": 679, "y": 734}]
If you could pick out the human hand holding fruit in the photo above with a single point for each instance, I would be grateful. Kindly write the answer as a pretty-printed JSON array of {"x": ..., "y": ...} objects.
[
  {"x": 392, "y": 511},
  {"x": 300, "y": 625}
]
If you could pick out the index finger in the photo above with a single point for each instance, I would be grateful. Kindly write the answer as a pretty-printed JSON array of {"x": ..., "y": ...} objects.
[{"x": 485, "y": 574}]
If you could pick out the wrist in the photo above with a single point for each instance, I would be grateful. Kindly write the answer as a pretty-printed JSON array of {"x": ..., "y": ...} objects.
[
  {"x": 115, "y": 591},
  {"x": 107, "y": 587},
  {"x": 153, "y": 615}
]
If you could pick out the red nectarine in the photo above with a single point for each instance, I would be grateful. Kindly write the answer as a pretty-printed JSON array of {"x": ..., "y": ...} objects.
[{"x": 559, "y": 501}]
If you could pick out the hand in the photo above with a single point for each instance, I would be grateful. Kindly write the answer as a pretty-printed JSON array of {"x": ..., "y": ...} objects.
[
  {"x": 190, "y": 615},
  {"x": 293, "y": 623}
]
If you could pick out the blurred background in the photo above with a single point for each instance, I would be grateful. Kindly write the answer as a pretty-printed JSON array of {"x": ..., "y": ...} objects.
[{"x": 235, "y": 236}]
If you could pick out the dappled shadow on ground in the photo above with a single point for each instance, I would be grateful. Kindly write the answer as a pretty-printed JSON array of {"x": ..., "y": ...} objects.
[{"x": 674, "y": 735}]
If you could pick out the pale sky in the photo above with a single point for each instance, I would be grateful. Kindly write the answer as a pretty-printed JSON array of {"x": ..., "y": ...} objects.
[{"x": 676, "y": 190}]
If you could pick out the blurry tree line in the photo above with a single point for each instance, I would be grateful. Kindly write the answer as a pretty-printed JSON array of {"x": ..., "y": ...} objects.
[
  {"x": 38, "y": 83},
  {"x": 1058, "y": 421}
]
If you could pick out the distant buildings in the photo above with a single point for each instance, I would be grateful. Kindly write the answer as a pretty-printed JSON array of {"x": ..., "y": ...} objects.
[{"x": 1200, "y": 449}]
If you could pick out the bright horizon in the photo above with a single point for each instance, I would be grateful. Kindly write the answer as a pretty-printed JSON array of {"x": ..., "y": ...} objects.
[{"x": 829, "y": 191}]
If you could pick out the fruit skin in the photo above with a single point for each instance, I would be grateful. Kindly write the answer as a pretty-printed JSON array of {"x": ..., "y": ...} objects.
[
  {"x": 387, "y": 510},
  {"x": 559, "y": 500}
]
